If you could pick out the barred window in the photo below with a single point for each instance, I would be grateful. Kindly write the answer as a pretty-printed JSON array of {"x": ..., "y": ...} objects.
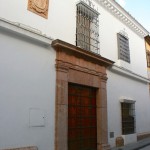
[
  {"x": 123, "y": 48},
  {"x": 87, "y": 27},
  {"x": 128, "y": 118},
  {"x": 148, "y": 58}
]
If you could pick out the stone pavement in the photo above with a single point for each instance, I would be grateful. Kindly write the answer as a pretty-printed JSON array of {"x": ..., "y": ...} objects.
[
  {"x": 134, "y": 146},
  {"x": 146, "y": 148}
]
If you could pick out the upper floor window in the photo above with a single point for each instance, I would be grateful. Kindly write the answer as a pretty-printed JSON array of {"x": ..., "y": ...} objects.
[
  {"x": 87, "y": 27},
  {"x": 123, "y": 48}
]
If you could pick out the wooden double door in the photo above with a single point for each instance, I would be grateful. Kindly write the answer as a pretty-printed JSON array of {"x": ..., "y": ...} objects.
[{"x": 82, "y": 124}]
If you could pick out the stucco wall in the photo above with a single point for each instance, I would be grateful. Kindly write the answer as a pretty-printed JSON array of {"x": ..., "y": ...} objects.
[
  {"x": 31, "y": 71},
  {"x": 27, "y": 81},
  {"x": 122, "y": 86},
  {"x": 61, "y": 24},
  {"x": 109, "y": 27}
]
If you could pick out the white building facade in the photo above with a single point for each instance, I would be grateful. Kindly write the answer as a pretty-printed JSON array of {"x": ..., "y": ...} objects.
[{"x": 38, "y": 73}]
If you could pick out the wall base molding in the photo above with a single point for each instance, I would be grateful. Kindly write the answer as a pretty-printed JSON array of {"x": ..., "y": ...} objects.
[
  {"x": 23, "y": 148},
  {"x": 142, "y": 136}
]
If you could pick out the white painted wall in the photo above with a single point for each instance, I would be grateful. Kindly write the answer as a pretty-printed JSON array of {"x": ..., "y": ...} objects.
[
  {"x": 33, "y": 74},
  {"x": 117, "y": 86},
  {"x": 109, "y": 27},
  {"x": 60, "y": 24},
  {"x": 121, "y": 85},
  {"x": 130, "y": 138},
  {"x": 27, "y": 80}
]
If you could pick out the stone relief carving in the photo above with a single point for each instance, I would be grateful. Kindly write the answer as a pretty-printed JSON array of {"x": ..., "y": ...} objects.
[{"x": 39, "y": 7}]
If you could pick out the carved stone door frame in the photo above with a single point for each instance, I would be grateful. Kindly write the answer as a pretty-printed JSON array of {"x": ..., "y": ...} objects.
[{"x": 75, "y": 65}]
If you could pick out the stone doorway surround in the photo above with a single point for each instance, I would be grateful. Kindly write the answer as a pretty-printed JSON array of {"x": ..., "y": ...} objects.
[{"x": 75, "y": 65}]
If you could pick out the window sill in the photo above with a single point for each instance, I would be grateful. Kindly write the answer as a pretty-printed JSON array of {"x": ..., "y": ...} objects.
[{"x": 124, "y": 64}]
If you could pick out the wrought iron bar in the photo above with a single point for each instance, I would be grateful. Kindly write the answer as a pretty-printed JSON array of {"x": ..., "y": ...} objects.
[{"x": 87, "y": 33}]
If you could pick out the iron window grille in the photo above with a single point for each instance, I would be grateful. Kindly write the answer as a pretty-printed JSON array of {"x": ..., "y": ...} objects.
[
  {"x": 123, "y": 48},
  {"x": 128, "y": 118},
  {"x": 87, "y": 27},
  {"x": 148, "y": 58}
]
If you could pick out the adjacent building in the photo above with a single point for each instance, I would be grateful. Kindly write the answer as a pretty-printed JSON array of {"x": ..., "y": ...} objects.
[
  {"x": 147, "y": 46},
  {"x": 73, "y": 75}
]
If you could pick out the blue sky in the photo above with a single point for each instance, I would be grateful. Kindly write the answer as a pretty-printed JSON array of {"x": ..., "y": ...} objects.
[{"x": 139, "y": 9}]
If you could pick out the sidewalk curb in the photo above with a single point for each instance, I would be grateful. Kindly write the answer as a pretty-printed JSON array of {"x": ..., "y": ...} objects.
[{"x": 134, "y": 146}]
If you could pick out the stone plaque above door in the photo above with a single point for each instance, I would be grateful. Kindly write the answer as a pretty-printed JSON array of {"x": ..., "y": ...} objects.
[{"x": 40, "y": 7}]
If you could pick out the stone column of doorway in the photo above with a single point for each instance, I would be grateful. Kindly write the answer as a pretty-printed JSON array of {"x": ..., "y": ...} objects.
[
  {"x": 61, "y": 121},
  {"x": 102, "y": 116}
]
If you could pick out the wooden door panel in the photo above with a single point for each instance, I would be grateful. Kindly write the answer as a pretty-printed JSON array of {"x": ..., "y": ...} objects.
[{"x": 82, "y": 125}]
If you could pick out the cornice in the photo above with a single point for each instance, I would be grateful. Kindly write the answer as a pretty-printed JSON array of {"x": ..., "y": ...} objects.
[
  {"x": 114, "y": 8},
  {"x": 25, "y": 31},
  {"x": 129, "y": 73},
  {"x": 77, "y": 51}
]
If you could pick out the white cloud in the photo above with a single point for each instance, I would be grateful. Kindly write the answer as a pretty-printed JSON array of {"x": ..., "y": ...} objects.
[{"x": 122, "y": 2}]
